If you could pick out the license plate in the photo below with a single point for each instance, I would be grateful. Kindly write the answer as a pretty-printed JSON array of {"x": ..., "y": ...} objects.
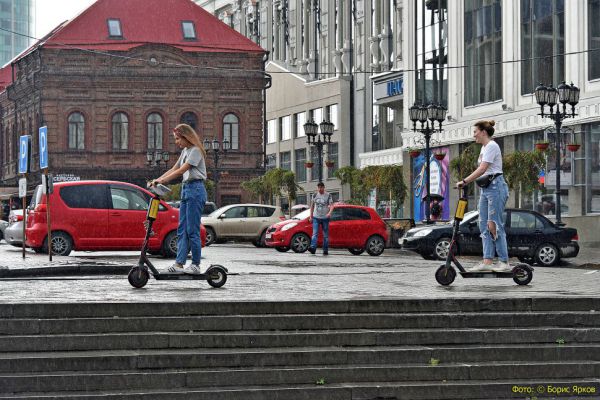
[{"x": 268, "y": 236}]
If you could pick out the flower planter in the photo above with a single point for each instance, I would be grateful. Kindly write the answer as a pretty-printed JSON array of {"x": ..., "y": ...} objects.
[
  {"x": 573, "y": 147},
  {"x": 414, "y": 153},
  {"x": 329, "y": 164},
  {"x": 309, "y": 164},
  {"x": 439, "y": 156},
  {"x": 542, "y": 146}
]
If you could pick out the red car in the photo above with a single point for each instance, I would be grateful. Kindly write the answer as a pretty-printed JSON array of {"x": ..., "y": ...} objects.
[
  {"x": 100, "y": 215},
  {"x": 355, "y": 228}
]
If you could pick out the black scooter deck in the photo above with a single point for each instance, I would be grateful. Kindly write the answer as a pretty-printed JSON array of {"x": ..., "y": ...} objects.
[
  {"x": 486, "y": 274},
  {"x": 182, "y": 277}
]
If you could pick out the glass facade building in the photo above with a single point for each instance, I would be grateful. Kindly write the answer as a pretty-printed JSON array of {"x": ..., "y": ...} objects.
[{"x": 17, "y": 20}]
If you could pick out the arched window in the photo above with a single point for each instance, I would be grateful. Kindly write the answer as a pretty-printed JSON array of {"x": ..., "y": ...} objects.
[
  {"x": 189, "y": 118},
  {"x": 120, "y": 131},
  {"x": 231, "y": 131},
  {"x": 76, "y": 131},
  {"x": 154, "y": 123}
]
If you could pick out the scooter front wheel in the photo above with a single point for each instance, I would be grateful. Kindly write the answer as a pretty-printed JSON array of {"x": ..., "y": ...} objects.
[
  {"x": 138, "y": 277},
  {"x": 522, "y": 274},
  {"x": 445, "y": 275},
  {"x": 216, "y": 276}
]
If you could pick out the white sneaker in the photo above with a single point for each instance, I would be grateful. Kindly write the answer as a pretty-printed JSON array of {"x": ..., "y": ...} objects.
[
  {"x": 192, "y": 269},
  {"x": 502, "y": 266},
  {"x": 481, "y": 267},
  {"x": 176, "y": 268}
]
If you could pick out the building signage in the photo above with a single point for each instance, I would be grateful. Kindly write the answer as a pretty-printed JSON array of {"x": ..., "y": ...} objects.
[
  {"x": 395, "y": 87},
  {"x": 43, "y": 147},
  {"x": 65, "y": 178},
  {"x": 392, "y": 87},
  {"x": 24, "y": 145}
]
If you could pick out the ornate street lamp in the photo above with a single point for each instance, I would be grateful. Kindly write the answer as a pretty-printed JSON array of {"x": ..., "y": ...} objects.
[
  {"x": 551, "y": 97},
  {"x": 219, "y": 149},
  {"x": 318, "y": 141},
  {"x": 427, "y": 116},
  {"x": 155, "y": 157}
]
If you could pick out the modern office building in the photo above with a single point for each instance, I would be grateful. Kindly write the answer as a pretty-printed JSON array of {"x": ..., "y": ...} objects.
[{"x": 15, "y": 16}]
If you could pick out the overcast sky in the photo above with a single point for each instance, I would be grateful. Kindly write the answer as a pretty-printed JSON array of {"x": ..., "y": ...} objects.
[{"x": 50, "y": 13}]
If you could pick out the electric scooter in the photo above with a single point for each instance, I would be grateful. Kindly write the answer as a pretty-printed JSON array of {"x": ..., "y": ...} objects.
[
  {"x": 521, "y": 273},
  {"x": 215, "y": 275}
]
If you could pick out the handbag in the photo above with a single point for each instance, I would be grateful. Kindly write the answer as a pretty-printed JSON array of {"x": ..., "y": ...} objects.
[{"x": 485, "y": 180}]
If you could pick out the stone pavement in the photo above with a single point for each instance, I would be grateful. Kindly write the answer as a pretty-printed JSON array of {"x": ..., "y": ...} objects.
[{"x": 264, "y": 274}]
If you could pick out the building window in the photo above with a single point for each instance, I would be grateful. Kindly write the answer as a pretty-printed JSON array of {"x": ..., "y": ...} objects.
[
  {"x": 189, "y": 30},
  {"x": 332, "y": 115},
  {"x": 432, "y": 52},
  {"x": 114, "y": 29},
  {"x": 300, "y": 168},
  {"x": 317, "y": 115},
  {"x": 231, "y": 131},
  {"x": 593, "y": 39},
  {"x": 272, "y": 131},
  {"x": 314, "y": 158},
  {"x": 154, "y": 122},
  {"x": 271, "y": 161},
  {"x": 285, "y": 161},
  {"x": 542, "y": 35},
  {"x": 76, "y": 131},
  {"x": 300, "y": 120},
  {"x": 285, "y": 127},
  {"x": 483, "y": 51},
  {"x": 591, "y": 153},
  {"x": 120, "y": 131},
  {"x": 190, "y": 119},
  {"x": 332, "y": 155}
]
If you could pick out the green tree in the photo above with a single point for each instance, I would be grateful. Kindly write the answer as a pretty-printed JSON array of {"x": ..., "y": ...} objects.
[
  {"x": 522, "y": 169},
  {"x": 466, "y": 162},
  {"x": 256, "y": 188}
]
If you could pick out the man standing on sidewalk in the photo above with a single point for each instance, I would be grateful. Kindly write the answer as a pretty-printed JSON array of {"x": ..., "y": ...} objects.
[{"x": 320, "y": 212}]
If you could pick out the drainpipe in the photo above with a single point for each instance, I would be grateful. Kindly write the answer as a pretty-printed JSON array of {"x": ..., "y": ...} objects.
[{"x": 268, "y": 82}]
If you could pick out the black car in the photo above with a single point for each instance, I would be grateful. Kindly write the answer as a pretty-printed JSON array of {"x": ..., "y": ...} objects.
[{"x": 531, "y": 237}]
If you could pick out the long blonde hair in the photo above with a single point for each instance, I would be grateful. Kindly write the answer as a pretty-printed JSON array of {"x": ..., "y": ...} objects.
[{"x": 188, "y": 133}]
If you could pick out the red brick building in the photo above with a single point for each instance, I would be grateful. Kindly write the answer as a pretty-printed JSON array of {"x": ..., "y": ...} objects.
[{"x": 111, "y": 84}]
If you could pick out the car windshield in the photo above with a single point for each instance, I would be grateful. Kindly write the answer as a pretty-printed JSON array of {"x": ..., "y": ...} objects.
[
  {"x": 217, "y": 212},
  {"x": 303, "y": 215},
  {"x": 469, "y": 216}
]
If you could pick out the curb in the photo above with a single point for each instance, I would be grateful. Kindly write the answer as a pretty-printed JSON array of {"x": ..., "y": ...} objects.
[{"x": 68, "y": 270}]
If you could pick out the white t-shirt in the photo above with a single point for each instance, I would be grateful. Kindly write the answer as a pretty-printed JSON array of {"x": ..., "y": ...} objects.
[
  {"x": 192, "y": 156},
  {"x": 491, "y": 154}
]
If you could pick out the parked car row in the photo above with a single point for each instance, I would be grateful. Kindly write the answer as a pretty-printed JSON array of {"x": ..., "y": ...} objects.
[
  {"x": 13, "y": 233},
  {"x": 355, "y": 228},
  {"x": 530, "y": 236}
]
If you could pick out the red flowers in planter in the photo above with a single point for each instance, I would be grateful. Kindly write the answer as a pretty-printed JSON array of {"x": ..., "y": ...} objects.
[
  {"x": 329, "y": 164},
  {"x": 309, "y": 164},
  {"x": 542, "y": 145},
  {"x": 439, "y": 156},
  {"x": 573, "y": 146}
]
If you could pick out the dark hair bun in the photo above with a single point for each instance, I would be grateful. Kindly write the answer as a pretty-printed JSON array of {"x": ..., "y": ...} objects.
[{"x": 492, "y": 122}]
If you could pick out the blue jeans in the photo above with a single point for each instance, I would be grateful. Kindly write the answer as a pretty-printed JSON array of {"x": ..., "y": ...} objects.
[
  {"x": 193, "y": 197},
  {"x": 491, "y": 208},
  {"x": 324, "y": 222}
]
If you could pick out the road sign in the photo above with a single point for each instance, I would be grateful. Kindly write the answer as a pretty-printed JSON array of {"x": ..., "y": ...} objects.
[
  {"x": 24, "y": 144},
  {"x": 43, "y": 147},
  {"x": 22, "y": 187}
]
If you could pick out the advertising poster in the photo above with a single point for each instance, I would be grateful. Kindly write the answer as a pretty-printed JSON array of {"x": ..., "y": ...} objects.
[{"x": 439, "y": 182}]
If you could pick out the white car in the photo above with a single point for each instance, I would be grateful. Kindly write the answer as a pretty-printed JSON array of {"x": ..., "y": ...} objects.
[
  {"x": 13, "y": 234},
  {"x": 3, "y": 225}
]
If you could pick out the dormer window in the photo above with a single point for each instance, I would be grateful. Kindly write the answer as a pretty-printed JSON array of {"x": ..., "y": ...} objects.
[
  {"x": 189, "y": 31},
  {"x": 114, "y": 29}
]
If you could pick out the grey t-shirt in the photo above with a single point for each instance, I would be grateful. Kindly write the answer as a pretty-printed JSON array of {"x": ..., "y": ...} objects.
[
  {"x": 193, "y": 156},
  {"x": 321, "y": 203}
]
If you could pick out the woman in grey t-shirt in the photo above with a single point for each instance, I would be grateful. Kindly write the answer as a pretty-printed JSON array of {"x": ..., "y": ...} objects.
[{"x": 191, "y": 166}]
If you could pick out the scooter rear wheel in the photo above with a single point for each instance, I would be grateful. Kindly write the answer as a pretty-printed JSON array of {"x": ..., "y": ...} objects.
[
  {"x": 445, "y": 275},
  {"x": 522, "y": 274},
  {"x": 138, "y": 277},
  {"x": 216, "y": 276}
]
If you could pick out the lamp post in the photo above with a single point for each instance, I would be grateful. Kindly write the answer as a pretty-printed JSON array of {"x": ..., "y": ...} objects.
[
  {"x": 319, "y": 140},
  {"x": 427, "y": 115},
  {"x": 155, "y": 157},
  {"x": 548, "y": 96},
  {"x": 219, "y": 150}
]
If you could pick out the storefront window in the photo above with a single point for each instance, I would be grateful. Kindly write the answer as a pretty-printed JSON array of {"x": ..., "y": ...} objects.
[{"x": 592, "y": 155}]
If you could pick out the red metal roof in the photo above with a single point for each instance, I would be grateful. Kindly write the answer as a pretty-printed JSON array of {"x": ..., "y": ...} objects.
[
  {"x": 5, "y": 77},
  {"x": 150, "y": 21}
]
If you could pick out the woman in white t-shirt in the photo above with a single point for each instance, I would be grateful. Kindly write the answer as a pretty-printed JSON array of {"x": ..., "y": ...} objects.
[{"x": 492, "y": 200}]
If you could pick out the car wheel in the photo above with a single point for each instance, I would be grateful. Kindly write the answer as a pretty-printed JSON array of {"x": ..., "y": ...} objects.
[
  {"x": 547, "y": 255},
  {"x": 375, "y": 245},
  {"x": 169, "y": 246},
  {"x": 300, "y": 242},
  {"x": 282, "y": 249},
  {"x": 441, "y": 247},
  {"x": 211, "y": 237},
  {"x": 62, "y": 244},
  {"x": 261, "y": 240},
  {"x": 357, "y": 251}
]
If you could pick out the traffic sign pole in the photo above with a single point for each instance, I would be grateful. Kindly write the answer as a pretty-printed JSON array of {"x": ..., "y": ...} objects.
[{"x": 46, "y": 182}]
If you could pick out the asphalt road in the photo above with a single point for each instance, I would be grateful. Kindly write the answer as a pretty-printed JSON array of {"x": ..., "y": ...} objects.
[{"x": 265, "y": 274}]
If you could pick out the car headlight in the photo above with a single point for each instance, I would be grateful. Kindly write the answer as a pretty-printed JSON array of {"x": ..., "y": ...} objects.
[
  {"x": 423, "y": 232},
  {"x": 289, "y": 226}
]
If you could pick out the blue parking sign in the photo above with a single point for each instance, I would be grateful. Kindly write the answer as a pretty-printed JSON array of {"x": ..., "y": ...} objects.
[
  {"x": 24, "y": 144},
  {"x": 43, "y": 147}
]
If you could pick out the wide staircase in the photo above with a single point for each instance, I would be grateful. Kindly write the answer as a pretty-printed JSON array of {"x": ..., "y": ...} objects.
[{"x": 363, "y": 349}]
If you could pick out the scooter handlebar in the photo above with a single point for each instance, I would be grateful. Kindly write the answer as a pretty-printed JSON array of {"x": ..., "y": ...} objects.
[{"x": 159, "y": 189}]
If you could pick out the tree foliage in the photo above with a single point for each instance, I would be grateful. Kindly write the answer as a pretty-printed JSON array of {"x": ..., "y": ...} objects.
[
  {"x": 387, "y": 179},
  {"x": 522, "y": 169},
  {"x": 273, "y": 184},
  {"x": 466, "y": 162}
]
